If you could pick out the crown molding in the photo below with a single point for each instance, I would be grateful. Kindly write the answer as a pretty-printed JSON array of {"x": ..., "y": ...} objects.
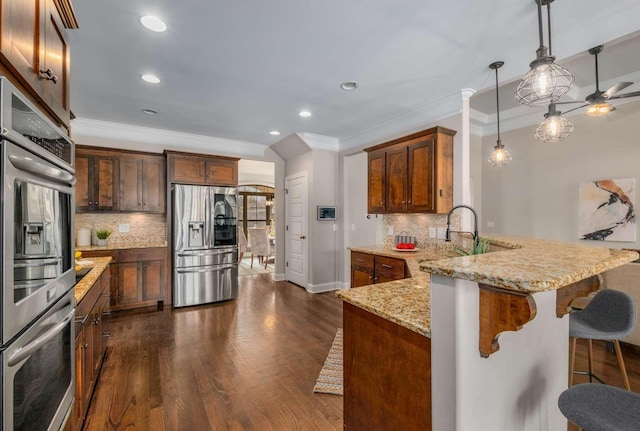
[
  {"x": 320, "y": 142},
  {"x": 164, "y": 138}
]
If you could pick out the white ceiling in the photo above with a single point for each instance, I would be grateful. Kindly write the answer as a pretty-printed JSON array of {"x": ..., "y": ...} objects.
[{"x": 236, "y": 70}]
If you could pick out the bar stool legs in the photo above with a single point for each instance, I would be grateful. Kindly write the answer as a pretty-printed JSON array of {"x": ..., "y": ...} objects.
[{"x": 572, "y": 355}]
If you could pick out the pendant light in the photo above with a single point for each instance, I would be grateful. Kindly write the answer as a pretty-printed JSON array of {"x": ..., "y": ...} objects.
[
  {"x": 555, "y": 127},
  {"x": 546, "y": 82},
  {"x": 499, "y": 156}
]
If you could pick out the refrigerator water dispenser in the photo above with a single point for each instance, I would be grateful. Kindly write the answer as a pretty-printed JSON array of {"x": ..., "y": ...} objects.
[{"x": 196, "y": 234}]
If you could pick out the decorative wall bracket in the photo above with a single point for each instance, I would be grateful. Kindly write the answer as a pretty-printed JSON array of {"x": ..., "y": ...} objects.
[{"x": 502, "y": 310}]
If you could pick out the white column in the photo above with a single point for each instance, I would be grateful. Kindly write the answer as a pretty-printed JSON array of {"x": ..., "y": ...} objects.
[
  {"x": 515, "y": 388},
  {"x": 465, "y": 165}
]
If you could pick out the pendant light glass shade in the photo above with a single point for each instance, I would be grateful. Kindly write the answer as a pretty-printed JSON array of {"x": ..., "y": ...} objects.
[
  {"x": 554, "y": 128},
  {"x": 599, "y": 109},
  {"x": 546, "y": 82},
  {"x": 499, "y": 156}
]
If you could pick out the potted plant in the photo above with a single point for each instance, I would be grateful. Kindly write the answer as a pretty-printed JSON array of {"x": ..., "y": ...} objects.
[
  {"x": 480, "y": 246},
  {"x": 102, "y": 235}
]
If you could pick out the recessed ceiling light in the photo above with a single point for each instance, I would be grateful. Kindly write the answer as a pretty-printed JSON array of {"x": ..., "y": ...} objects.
[
  {"x": 349, "y": 85},
  {"x": 150, "y": 78},
  {"x": 149, "y": 111},
  {"x": 274, "y": 133},
  {"x": 305, "y": 114},
  {"x": 153, "y": 23}
]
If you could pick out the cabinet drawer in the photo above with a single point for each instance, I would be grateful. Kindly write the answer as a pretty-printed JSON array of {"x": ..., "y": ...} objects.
[
  {"x": 362, "y": 260},
  {"x": 389, "y": 267},
  {"x": 142, "y": 254}
]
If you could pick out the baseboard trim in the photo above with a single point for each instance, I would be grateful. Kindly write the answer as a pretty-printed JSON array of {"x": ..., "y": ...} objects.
[
  {"x": 344, "y": 285},
  {"x": 324, "y": 287},
  {"x": 277, "y": 277}
]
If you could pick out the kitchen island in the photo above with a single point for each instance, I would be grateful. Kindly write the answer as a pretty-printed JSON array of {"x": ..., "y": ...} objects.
[{"x": 460, "y": 307}]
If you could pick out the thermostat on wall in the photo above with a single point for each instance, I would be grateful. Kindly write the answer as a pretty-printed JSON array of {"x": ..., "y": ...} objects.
[{"x": 327, "y": 213}]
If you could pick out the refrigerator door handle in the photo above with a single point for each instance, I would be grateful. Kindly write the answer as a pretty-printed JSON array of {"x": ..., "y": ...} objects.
[
  {"x": 205, "y": 269},
  {"x": 210, "y": 252}
]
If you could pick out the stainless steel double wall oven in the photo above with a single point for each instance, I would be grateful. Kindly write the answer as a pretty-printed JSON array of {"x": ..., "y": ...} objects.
[{"x": 38, "y": 273}]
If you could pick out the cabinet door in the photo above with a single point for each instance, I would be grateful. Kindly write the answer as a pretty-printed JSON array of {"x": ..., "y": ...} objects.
[
  {"x": 396, "y": 179},
  {"x": 376, "y": 182},
  {"x": 55, "y": 63},
  {"x": 105, "y": 183},
  {"x": 78, "y": 406},
  {"x": 153, "y": 185},
  {"x": 20, "y": 41},
  {"x": 88, "y": 369},
  {"x": 188, "y": 170},
  {"x": 130, "y": 184},
  {"x": 83, "y": 186},
  {"x": 129, "y": 275},
  {"x": 421, "y": 176},
  {"x": 153, "y": 282},
  {"x": 222, "y": 172}
]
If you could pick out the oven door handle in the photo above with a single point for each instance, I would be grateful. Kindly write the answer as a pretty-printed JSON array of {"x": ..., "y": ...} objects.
[
  {"x": 42, "y": 170},
  {"x": 27, "y": 350}
]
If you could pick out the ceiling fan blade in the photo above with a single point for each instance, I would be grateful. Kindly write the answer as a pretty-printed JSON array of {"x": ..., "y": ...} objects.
[
  {"x": 623, "y": 96},
  {"x": 573, "y": 109},
  {"x": 618, "y": 87}
]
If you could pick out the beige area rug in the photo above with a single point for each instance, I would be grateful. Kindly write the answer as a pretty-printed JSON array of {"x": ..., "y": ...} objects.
[
  {"x": 245, "y": 267},
  {"x": 330, "y": 379}
]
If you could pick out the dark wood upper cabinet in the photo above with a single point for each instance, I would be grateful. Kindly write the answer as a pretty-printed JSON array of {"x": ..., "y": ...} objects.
[
  {"x": 97, "y": 175},
  {"x": 189, "y": 168},
  {"x": 142, "y": 183},
  {"x": 118, "y": 181},
  {"x": 34, "y": 48},
  {"x": 412, "y": 174},
  {"x": 376, "y": 177}
]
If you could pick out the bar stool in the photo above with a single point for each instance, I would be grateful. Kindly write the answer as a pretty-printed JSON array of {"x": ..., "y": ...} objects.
[
  {"x": 597, "y": 407},
  {"x": 610, "y": 315}
]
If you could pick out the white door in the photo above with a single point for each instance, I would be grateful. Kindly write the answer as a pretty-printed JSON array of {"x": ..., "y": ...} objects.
[{"x": 296, "y": 251}]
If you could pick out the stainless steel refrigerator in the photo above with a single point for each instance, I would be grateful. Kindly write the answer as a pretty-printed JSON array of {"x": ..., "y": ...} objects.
[{"x": 205, "y": 248}]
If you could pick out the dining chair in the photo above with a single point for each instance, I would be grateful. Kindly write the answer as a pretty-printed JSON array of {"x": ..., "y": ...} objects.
[
  {"x": 242, "y": 243},
  {"x": 260, "y": 245}
]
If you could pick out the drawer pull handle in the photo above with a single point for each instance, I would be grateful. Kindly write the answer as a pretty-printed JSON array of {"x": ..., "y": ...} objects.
[
  {"x": 48, "y": 75},
  {"x": 384, "y": 265}
]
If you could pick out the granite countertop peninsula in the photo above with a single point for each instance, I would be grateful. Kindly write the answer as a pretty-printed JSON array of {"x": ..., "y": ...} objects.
[
  {"x": 406, "y": 302},
  {"x": 123, "y": 245},
  {"x": 531, "y": 264},
  {"x": 517, "y": 263},
  {"x": 98, "y": 265}
]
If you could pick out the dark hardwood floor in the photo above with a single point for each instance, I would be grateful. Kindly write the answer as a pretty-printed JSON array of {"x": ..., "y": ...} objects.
[{"x": 245, "y": 364}]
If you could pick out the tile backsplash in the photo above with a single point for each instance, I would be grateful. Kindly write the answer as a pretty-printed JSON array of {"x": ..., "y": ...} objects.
[
  {"x": 143, "y": 228},
  {"x": 418, "y": 225}
]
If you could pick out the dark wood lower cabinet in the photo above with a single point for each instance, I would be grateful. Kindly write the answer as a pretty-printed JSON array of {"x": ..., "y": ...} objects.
[
  {"x": 387, "y": 374},
  {"x": 140, "y": 276},
  {"x": 368, "y": 269},
  {"x": 92, "y": 331}
]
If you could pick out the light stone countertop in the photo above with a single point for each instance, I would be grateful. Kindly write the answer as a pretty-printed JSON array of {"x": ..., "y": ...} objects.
[
  {"x": 524, "y": 264},
  {"x": 123, "y": 245},
  {"x": 533, "y": 265},
  {"x": 98, "y": 267}
]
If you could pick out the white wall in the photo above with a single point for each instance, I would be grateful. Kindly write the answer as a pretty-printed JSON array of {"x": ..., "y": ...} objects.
[{"x": 537, "y": 194}]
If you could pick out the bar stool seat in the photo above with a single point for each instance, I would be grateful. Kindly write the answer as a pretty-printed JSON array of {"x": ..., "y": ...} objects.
[
  {"x": 595, "y": 407},
  {"x": 610, "y": 315}
]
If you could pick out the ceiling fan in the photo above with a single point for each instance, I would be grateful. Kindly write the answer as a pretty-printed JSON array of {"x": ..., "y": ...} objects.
[{"x": 598, "y": 101}]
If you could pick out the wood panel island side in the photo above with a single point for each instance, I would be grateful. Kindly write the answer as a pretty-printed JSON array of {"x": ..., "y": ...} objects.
[{"x": 422, "y": 353}]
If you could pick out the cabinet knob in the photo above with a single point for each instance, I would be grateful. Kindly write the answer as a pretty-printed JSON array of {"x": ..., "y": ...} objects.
[
  {"x": 85, "y": 346},
  {"x": 408, "y": 202},
  {"x": 403, "y": 202},
  {"x": 371, "y": 277},
  {"x": 145, "y": 268},
  {"x": 302, "y": 237},
  {"x": 96, "y": 321}
]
